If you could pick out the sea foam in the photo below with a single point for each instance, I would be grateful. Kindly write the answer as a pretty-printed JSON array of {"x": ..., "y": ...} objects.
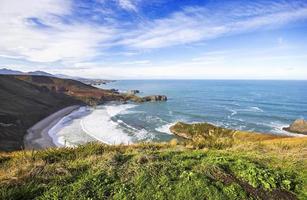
[
  {"x": 165, "y": 128},
  {"x": 99, "y": 124},
  {"x": 58, "y": 140}
]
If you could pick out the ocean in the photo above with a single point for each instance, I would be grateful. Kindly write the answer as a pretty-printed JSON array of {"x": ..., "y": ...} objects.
[{"x": 251, "y": 105}]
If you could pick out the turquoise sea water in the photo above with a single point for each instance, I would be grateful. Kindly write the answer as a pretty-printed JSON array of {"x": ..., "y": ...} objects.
[{"x": 262, "y": 106}]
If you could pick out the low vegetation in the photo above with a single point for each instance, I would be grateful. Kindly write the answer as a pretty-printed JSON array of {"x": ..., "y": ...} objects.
[
  {"x": 269, "y": 169},
  {"x": 208, "y": 135}
]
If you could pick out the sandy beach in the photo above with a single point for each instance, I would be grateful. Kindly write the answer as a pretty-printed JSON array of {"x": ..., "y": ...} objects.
[{"x": 37, "y": 136}]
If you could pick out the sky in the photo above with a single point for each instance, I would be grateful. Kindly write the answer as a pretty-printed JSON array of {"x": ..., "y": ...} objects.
[{"x": 156, "y": 39}]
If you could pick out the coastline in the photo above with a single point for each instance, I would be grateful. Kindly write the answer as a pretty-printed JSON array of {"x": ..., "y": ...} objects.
[{"x": 37, "y": 136}]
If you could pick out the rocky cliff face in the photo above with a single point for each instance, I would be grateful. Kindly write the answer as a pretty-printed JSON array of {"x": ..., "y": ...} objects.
[{"x": 298, "y": 126}]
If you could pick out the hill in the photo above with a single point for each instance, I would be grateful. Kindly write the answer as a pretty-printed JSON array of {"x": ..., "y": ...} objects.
[
  {"x": 22, "y": 105},
  {"x": 5, "y": 71},
  {"x": 270, "y": 169},
  {"x": 26, "y": 99}
]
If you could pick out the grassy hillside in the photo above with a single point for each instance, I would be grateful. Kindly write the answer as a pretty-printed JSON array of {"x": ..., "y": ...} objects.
[
  {"x": 23, "y": 104},
  {"x": 26, "y": 99},
  {"x": 86, "y": 93},
  {"x": 270, "y": 169}
]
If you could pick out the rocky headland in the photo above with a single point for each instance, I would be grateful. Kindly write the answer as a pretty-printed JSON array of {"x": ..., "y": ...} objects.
[
  {"x": 205, "y": 134},
  {"x": 298, "y": 126}
]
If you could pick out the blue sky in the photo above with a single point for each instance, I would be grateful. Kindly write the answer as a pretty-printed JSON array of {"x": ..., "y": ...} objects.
[{"x": 142, "y": 39}]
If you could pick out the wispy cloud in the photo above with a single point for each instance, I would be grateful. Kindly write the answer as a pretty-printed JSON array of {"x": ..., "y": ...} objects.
[
  {"x": 202, "y": 23},
  {"x": 21, "y": 36},
  {"x": 81, "y": 36},
  {"x": 136, "y": 62},
  {"x": 127, "y": 5}
]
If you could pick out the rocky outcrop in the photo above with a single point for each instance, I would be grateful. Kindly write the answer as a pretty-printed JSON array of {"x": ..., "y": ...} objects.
[
  {"x": 215, "y": 136},
  {"x": 155, "y": 98},
  {"x": 199, "y": 130},
  {"x": 298, "y": 126},
  {"x": 115, "y": 91},
  {"x": 133, "y": 91}
]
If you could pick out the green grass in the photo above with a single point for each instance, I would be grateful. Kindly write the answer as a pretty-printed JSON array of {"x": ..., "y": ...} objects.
[{"x": 156, "y": 171}]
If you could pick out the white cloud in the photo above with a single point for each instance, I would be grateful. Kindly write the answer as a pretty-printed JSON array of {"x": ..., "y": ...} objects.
[
  {"x": 74, "y": 44},
  {"x": 127, "y": 5},
  {"x": 195, "y": 71},
  {"x": 20, "y": 36},
  {"x": 198, "y": 23},
  {"x": 79, "y": 41}
]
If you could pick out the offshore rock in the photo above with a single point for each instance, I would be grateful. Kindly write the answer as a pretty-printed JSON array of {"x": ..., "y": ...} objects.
[{"x": 155, "y": 98}]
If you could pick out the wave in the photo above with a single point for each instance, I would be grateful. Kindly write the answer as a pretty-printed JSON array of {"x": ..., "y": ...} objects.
[
  {"x": 277, "y": 127},
  {"x": 61, "y": 141},
  {"x": 100, "y": 126},
  {"x": 165, "y": 128},
  {"x": 114, "y": 110},
  {"x": 255, "y": 108}
]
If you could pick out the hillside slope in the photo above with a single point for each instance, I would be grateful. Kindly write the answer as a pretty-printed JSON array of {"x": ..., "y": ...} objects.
[
  {"x": 26, "y": 99},
  {"x": 272, "y": 169},
  {"x": 86, "y": 93},
  {"x": 23, "y": 104}
]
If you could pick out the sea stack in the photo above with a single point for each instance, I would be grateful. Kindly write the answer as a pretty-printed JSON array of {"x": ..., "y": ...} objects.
[{"x": 298, "y": 126}]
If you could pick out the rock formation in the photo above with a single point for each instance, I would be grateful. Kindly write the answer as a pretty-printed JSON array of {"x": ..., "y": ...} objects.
[
  {"x": 155, "y": 98},
  {"x": 298, "y": 126},
  {"x": 133, "y": 91}
]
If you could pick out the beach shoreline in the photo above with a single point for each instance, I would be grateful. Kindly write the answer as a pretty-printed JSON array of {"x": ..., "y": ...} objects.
[{"x": 37, "y": 136}]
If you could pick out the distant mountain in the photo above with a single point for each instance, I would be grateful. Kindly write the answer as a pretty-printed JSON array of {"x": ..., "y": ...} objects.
[
  {"x": 66, "y": 76},
  {"x": 89, "y": 81},
  {"x": 15, "y": 72},
  {"x": 10, "y": 72},
  {"x": 40, "y": 73}
]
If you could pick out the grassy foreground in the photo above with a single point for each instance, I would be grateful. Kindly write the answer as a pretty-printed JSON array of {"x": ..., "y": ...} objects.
[{"x": 269, "y": 169}]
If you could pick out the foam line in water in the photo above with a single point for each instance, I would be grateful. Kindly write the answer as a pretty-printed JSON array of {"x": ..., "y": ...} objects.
[
  {"x": 255, "y": 108},
  {"x": 60, "y": 140},
  {"x": 99, "y": 124},
  {"x": 114, "y": 110},
  {"x": 165, "y": 128}
]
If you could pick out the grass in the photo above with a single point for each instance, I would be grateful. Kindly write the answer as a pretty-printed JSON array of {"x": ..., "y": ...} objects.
[
  {"x": 207, "y": 135},
  {"x": 269, "y": 169}
]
